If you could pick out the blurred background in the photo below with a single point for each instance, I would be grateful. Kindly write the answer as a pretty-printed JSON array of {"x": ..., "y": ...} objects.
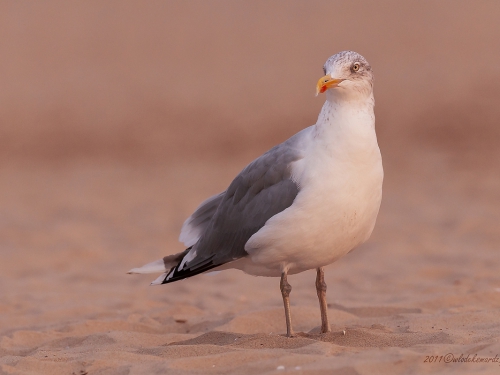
[
  {"x": 117, "y": 118},
  {"x": 166, "y": 80}
]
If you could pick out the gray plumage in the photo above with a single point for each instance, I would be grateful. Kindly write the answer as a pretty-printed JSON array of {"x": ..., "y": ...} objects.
[
  {"x": 226, "y": 221},
  {"x": 197, "y": 223}
]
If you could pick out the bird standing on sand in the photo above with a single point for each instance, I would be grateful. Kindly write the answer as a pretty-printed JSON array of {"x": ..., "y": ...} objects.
[{"x": 303, "y": 204}]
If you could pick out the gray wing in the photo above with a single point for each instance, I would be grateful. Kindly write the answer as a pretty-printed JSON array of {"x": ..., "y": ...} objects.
[
  {"x": 263, "y": 189},
  {"x": 197, "y": 223}
]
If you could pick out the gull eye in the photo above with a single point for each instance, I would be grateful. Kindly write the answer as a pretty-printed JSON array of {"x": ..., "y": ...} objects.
[{"x": 355, "y": 67}]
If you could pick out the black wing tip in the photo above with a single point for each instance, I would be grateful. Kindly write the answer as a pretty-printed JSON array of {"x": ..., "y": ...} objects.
[{"x": 175, "y": 274}]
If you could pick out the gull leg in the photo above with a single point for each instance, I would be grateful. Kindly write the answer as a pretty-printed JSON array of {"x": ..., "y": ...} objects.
[
  {"x": 321, "y": 290},
  {"x": 285, "y": 292}
]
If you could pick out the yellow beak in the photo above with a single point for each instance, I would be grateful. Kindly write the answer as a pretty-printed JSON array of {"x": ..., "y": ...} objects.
[{"x": 325, "y": 83}]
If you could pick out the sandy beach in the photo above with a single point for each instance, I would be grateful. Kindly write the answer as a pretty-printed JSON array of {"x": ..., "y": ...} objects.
[
  {"x": 108, "y": 146},
  {"x": 426, "y": 284}
]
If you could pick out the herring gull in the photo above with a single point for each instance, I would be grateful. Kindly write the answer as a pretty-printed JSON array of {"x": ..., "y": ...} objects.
[{"x": 303, "y": 204}]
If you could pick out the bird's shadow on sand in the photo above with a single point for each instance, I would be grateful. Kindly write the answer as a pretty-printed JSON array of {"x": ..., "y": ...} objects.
[{"x": 376, "y": 336}]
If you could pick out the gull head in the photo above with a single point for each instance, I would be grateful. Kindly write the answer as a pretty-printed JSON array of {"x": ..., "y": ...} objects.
[{"x": 347, "y": 76}]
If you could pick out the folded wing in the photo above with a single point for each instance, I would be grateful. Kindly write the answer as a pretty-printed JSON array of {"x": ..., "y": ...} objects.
[{"x": 224, "y": 223}]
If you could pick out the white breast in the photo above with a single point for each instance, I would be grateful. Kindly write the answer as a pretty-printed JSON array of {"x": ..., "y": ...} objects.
[{"x": 340, "y": 181}]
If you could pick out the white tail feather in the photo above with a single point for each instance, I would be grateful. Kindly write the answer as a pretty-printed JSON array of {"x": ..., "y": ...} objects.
[
  {"x": 163, "y": 265},
  {"x": 159, "y": 280},
  {"x": 153, "y": 267}
]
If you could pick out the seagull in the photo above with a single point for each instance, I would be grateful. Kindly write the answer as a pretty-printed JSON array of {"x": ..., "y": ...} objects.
[{"x": 303, "y": 204}]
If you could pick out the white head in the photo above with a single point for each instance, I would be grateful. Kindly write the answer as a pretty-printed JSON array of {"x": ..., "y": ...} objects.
[{"x": 348, "y": 76}]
